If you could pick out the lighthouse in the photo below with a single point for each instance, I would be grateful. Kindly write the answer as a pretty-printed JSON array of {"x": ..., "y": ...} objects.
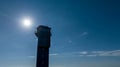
[{"x": 43, "y": 34}]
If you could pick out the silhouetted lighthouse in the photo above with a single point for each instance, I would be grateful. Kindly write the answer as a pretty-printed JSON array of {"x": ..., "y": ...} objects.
[{"x": 43, "y": 33}]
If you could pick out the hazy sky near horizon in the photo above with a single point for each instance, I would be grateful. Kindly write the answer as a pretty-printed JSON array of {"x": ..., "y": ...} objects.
[{"x": 85, "y": 33}]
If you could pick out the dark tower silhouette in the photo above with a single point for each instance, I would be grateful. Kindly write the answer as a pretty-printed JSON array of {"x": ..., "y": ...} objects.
[{"x": 43, "y": 33}]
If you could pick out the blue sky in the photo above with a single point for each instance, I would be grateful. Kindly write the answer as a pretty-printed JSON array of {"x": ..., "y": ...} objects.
[{"x": 85, "y": 33}]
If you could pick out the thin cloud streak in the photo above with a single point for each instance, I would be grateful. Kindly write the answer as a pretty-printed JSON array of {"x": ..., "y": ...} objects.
[
  {"x": 115, "y": 53},
  {"x": 89, "y": 53},
  {"x": 102, "y": 53},
  {"x": 31, "y": 56},
  {"x": 54, "y": 54}
]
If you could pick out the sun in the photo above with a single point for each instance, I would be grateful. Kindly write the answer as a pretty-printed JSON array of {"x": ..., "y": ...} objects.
[{"x": 27, "y": 22}]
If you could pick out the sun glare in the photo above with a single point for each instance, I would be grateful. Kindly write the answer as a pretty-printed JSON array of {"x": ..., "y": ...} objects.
[{"x": 27, "y": 22}]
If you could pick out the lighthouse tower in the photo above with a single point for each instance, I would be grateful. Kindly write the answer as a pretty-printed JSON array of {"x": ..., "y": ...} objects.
[{"x": 43, "y": 34}]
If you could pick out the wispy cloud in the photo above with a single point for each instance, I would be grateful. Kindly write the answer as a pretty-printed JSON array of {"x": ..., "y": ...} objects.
[
  {"x": 110, "y": 53},
  {"x": 89, "y": 53},
  {"x": 83, "y": 52},
  {"x": 86, "y": 54},
  {"x": 102, "y": 53},
  {"x": 31, "y": 56},
  {"x": 84, "y": 33},
  {"x": 54, "y": 54}
]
